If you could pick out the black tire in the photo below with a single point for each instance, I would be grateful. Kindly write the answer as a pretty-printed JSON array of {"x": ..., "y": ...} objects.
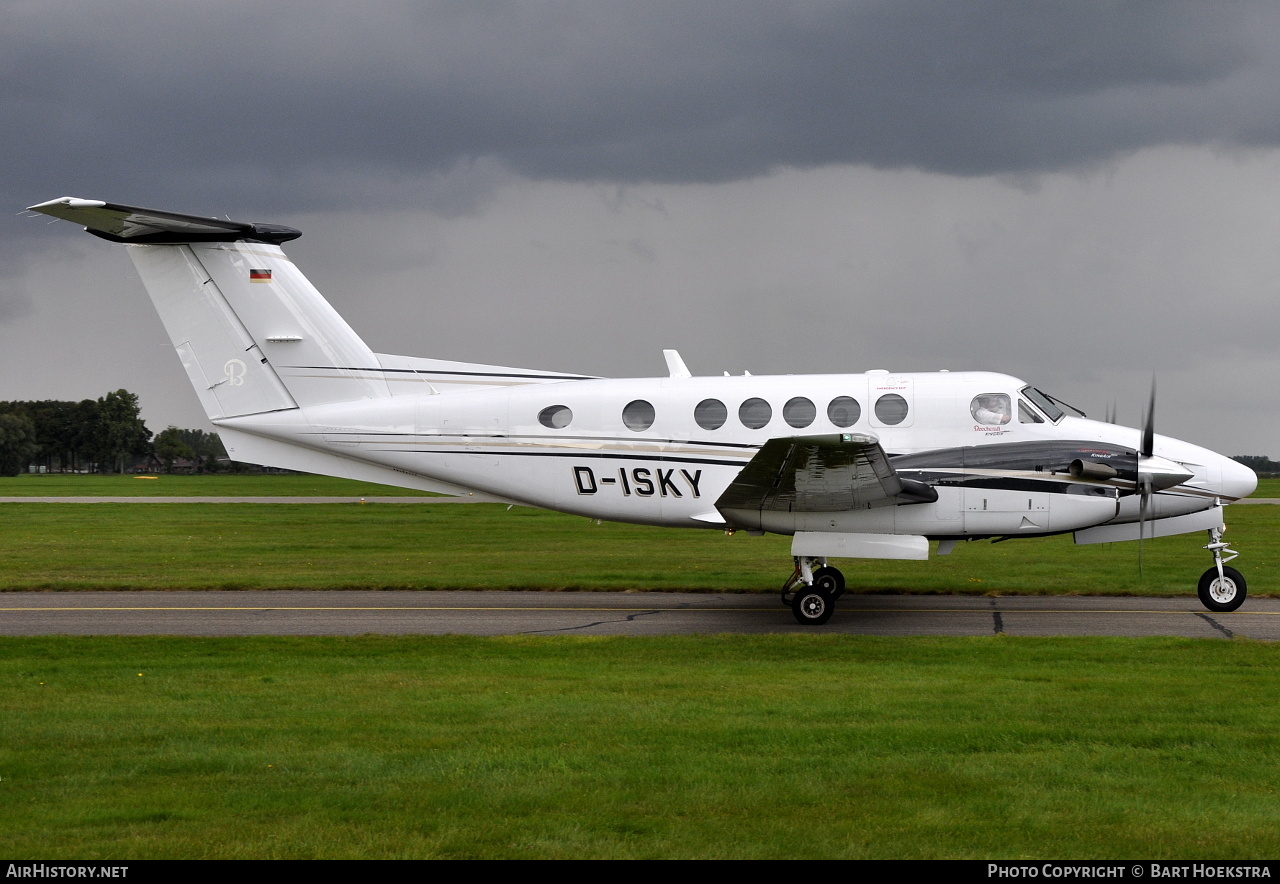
[
  {"x": 1222, "y": 595},
  {"x": 812, "y": 607},
  {"x": 830, "y": 581}
]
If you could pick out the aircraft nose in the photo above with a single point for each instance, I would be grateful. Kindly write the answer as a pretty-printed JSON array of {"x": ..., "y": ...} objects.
[{"x": 1237, "y": 479}]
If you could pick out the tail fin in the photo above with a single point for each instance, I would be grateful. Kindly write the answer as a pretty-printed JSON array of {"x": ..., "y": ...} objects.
[{"x": 252, "y": 332}]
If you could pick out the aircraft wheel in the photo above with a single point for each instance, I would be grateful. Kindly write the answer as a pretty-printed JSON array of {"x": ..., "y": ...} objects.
[
  {"x": 812, "y": 606},
  {"x": 1224, "y": 593},
  {"x": 830, "y": 581}
]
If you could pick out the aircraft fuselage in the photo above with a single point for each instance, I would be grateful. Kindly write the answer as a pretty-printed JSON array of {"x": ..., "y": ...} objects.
[{"x": 600, "y": 459}]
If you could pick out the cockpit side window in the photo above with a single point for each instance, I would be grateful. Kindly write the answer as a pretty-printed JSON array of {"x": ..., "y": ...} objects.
[
  {"x": 1027, "y": 414},
  {"x": 991, "y": 409}
]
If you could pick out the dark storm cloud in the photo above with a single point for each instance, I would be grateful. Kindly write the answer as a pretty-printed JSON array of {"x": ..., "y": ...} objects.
[{"x": 293, "y": 106}]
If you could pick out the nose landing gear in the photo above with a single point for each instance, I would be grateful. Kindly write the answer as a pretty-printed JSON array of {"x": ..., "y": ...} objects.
[
  {"x": 811, "y": 593},
  {"x": 1221, "y": 589}
]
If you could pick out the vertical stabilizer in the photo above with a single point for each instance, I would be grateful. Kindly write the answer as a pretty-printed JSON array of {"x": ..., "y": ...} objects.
[
  {"x": 252, "y": 332},
  {"x": 222, "y": 360},
  {"x": 261, "y": 335}
]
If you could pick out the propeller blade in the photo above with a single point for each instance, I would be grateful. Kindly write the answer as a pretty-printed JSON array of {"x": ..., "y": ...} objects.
[
  {"x": 1144, "y": 484},
  {"x": 1111, "y": 412},
  {"x": 1149, "y": 425}
]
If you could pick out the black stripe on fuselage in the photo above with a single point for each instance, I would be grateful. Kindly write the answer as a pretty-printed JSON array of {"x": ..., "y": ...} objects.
[
  {"x": 1036, "y": 457},
  {"x": 579, "y": 454},
  {"x": 747, "y": 446},
  {"x": 1031, "y": 482}
]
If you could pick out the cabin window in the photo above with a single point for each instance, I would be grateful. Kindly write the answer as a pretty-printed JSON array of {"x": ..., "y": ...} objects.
[
  {"x": 555, "y": 417},
  {"x": 844, "y": 411},
  {"x": 638, "y": 415},
  {"x": 1027, "y": 414},
  {"x": 891, "y": 409},
  {"x": 991, "y": 409},
  {"x": 710, "y": 414},
  {"x": 799, "y": 412},
  {"x": 754, "y": 413}
]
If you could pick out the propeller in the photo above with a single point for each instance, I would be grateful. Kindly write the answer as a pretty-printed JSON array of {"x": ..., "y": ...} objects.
[
  {"x": 1154, "y": 473},
  {"x": 1146, "y": 478},
  {"x": 1149, "y": 423}
]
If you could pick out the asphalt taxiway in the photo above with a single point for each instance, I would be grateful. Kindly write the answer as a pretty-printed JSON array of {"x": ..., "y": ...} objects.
[{"x": 284, "y": 612}]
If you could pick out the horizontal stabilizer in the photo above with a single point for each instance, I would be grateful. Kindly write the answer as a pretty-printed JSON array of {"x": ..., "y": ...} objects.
[{"x": 131, "y": 224}]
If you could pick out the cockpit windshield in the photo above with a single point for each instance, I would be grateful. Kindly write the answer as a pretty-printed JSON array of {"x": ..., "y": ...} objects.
[{"x": 1053, "y": 408}]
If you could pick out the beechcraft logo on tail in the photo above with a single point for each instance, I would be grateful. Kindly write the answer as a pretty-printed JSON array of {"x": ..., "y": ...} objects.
[
  {"x": 259, "y": 275},
  {"x": 235, "y": 370}
]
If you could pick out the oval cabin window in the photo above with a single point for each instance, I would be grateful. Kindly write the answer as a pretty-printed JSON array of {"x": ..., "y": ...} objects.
[
  {"x": 991, "y": 409},
  {"x": 891, "y": 409},
  {"x": 638, "y": 415},
  {"x": 844, "y": 411},
  {"x": 710, "y": 414},
  {"x": 555, "y": 417},
  {"x": 754, "y": 413},
  {"x": 799, "y": 412}
]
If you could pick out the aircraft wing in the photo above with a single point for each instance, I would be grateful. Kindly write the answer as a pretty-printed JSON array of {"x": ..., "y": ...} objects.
[
  {"x": 132, "y": 224},
  {"x": 820, "y": 474}
]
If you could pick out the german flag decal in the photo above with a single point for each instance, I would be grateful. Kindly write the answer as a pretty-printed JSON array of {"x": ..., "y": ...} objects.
[{"x": 259, "y": 275}]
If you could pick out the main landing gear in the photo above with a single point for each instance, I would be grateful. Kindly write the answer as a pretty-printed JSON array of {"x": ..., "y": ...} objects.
[
  {"x": 1221, "y": 588},
  {"x": 811, "y": 592}
]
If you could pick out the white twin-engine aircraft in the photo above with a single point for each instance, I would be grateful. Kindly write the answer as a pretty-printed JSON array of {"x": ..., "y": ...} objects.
[{"x": 871, "y": 465}]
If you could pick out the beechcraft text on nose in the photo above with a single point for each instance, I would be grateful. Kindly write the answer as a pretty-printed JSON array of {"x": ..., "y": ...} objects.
[{"x": 641, "y": 481}]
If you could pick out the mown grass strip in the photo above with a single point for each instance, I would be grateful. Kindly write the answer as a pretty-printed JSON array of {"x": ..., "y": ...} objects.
[
  {"x": 219, "y": 485},
  {"x": 486, "y": 546},
  {"x": 762, "y": 747},
  {"x": 1267, "y": 488}
]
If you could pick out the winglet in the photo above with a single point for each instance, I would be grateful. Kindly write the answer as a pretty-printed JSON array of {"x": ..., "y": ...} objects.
[{"x": 675, "y": 365}]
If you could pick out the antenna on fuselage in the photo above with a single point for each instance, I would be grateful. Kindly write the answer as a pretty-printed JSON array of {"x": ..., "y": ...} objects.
[{"x": 675, "y": 365}]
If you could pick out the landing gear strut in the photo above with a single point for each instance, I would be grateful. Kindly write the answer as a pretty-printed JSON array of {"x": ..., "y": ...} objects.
[
  {"x": 1221, "y": 589},
  {"x": 811, "y": 593}
]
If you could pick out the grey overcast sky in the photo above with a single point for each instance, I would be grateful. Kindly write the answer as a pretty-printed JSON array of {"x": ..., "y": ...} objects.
[{"x": 1082, "y": 194}]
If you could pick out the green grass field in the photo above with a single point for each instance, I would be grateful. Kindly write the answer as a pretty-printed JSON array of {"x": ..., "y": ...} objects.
[
  {"x": 702, "y": 746},
  {"x": 487, "y": 546},
  {"x": 768, "y": 747},
  {"x": 220, "y": 485}
]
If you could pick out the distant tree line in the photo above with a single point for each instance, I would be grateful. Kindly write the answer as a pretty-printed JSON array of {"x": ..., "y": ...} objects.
[
  {"x": 1259, "y": 464},
  {"x": 202, "y": 452},
  {"x": 105, "y": 435}
]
